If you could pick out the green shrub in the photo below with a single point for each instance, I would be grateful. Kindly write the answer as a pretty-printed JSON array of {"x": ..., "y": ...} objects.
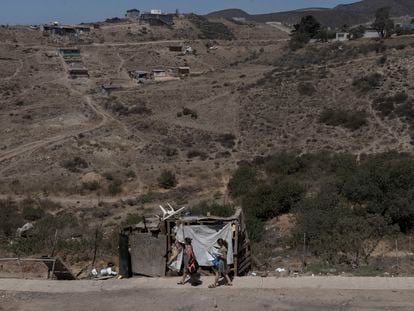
[
  {"x": 31, "y": 213},
  {"x": 243, "y": 180},
  {"x": 197, "y": 153},
  {"x": 352, "y": 120},
  {"x": 133, "y": 219},
  {"x": 167, "y": 179},
  {"x": 269, "y": 201},
  {"x": 131, "y": 174},
  {"x": 368, "y": 82},
  {"x": 205, "y": 208},
  {"x": 75, "y": 165},
  {"x": 396, "y": 105},
  {"x": 91, "y": 185},
  {"x": 115, "y": 187},
  {"x": 211, "y": 30},
  {"x": 306, "y": 88},
  {"x": 227, "y": 140},
  {"x": 147, "y": 197},
  {"x": 298, "y": 41},
  {"x": 10, "y": 218},
  {"x": 283, "y": 163},
  {"x": 188, "y": 112},
  {"x": 357, "y": 32}
]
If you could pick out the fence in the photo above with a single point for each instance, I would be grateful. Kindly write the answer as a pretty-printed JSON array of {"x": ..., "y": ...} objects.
[
  {"x": 391, "y": 256},
  {"x": 20, "y": 264}
]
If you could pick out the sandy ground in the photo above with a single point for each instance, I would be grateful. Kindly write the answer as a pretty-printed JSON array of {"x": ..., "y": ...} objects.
[{"x": 333, "y": 293}]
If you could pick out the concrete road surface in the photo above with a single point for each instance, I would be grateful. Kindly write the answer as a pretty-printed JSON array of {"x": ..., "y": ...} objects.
[{"x": 318, "y": 293}]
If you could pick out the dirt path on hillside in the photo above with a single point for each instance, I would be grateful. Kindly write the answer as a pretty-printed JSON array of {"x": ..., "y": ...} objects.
[
  {"x": 104, "y": 116},
  {"x": 16, "y": 72}
]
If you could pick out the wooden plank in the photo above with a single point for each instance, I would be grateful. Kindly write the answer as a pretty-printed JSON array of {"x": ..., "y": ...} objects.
[
  {"x": 245, "y": 267},
  {"x": 236, "y": 249},
  {"x": 246, "y": 259},
  {"x": 59, "y": 269}
]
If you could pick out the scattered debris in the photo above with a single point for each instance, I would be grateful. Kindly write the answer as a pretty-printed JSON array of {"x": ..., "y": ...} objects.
[{"x": 21, "y": 232}]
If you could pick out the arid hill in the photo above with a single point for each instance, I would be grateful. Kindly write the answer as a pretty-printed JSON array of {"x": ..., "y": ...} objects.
[{"x": 346, "y": 14}]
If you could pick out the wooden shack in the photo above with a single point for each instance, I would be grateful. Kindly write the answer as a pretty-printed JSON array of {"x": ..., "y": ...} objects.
[
  {"x": 145, "y": 247},
  {"x": 78, "y": 73},
  {"x": 175, "y": 48}
]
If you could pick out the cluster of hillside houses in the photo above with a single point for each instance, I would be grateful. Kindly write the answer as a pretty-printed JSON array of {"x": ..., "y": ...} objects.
[
  {"x": 371, "y": 33},
  {"x": 153, "y": 18},
  {"x": 73, "y": 60}
]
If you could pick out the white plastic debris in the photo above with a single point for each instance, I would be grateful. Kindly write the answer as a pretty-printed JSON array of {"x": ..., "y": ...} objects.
[
  {"x": 108, "y": 272},
  {"x": 21, "y": 231},
  {"x": 94, "y": 272},
  {"x": 280, "y": 270}
]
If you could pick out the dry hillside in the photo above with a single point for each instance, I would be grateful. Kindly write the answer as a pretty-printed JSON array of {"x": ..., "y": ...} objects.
[{"x": 99, "y": 155}]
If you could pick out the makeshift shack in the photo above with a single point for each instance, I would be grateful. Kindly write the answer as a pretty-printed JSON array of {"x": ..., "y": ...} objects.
[
  {"x": 146, "y": 247},
  {"x": 181, "y": 71}
]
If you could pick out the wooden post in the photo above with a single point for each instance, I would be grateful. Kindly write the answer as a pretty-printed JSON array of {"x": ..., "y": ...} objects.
[
  {"x": 396, "y": 254},
  {"x": 304, "y": 251},
  {"x": 53, "y": 268},
  {"x": 20, "y": 266},
  {"x": 168, "y": 229},
  {"x": 236, "y": 249}
]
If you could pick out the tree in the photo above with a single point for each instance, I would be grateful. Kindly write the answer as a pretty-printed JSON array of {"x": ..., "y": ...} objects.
[
  {"x": 324, "y": 34},
  {"x": 307, "y": 29},
  {"x": 243, "y": 180},
  {"x": 308, "y": 25},
  {"x": 357, "y": 32},
  {"x": 383, "y": 23}
]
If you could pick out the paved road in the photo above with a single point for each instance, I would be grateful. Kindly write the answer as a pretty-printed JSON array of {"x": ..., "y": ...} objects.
[
  {"x": 323, "y": 283},
  {"x": 310, "y": 294}
]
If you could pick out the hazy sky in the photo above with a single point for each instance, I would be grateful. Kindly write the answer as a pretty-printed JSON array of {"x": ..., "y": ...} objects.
[{"x": 74, "y": 11}]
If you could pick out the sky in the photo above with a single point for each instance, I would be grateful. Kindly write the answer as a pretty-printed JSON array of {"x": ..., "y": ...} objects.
[{"x": 76, "y": 11}]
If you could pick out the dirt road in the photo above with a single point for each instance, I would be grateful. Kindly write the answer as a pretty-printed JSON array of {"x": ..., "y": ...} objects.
[{"x": 325, "y": 293}]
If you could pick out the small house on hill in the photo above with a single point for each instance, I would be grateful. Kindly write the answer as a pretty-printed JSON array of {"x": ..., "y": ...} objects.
[
  {"x": 69, "y": 52},
  {"x": 159, "y": 74},
  {"x": 146, "y": 248},
  {"x": 62, "y": 30},
  {"x": 133, "y": 15},
  {"x": 156, "y": 18},
  {"x": 139, "y": 75},
  {"x": 175, "y": 48},
  {"x": 78, "y": 73},
  {"x": 181, "y": 71},
  {"x": 342, "y": 36}
]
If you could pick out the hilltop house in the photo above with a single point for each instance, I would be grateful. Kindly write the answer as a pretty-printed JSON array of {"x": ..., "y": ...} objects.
[
  {"x": 69, "y": 52},
  {"x": 157, "y": 18},
  {"x": 65, "y": 30},
  {"x": 159, "y": 74},
  {"x": 175, "y": 48},
  {"x": 133, "y": 15},
  {"x": 342, "y": 36}
]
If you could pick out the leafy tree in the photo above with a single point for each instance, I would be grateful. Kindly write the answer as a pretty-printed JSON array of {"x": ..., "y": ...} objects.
[
  {"x": 324, "y": 34},
  {"x": 269, "y": 201},
  {"x": 308, "y": 25},
  {"x": 243, "y": 180},
  {"x": 306, "y": 29},
  {"x": 357, "y": 32},
  {"x": 383, "y": 24},
  {"x": 336, "y": 232}
]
